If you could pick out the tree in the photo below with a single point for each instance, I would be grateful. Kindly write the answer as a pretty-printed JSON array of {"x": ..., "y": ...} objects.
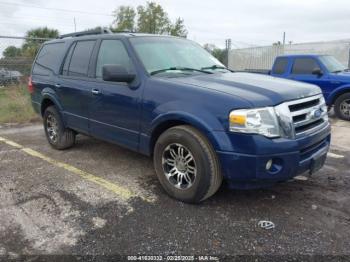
[
  {"x": 124, "y": 19},
  {"x": 178, "y": 28},
  {"x": 12, "y": 51},
  {"x": 218, "y": 53},
  {"x": 150, "y": 18},
  {"x": 32, "y": 43}
]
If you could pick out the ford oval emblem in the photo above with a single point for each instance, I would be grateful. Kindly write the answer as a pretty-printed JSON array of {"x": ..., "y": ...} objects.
[{"x": 317, "y": 113}]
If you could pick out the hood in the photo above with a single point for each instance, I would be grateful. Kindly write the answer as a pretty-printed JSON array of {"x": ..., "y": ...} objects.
[
  {"x": 260, "y": 90},
  {"x": 344, "y": 76}
]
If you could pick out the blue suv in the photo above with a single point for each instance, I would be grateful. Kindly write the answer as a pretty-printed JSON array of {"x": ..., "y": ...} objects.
[{"x": 168, "y": 98}]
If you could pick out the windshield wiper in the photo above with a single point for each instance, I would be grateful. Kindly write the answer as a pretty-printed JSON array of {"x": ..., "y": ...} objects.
[
  {"x": 214, "y": 67},
  {"x": 178, "y": 68},
  {"x": 337, "y": 71}
]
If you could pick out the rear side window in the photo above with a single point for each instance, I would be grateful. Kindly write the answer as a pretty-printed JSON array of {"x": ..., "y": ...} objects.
[
  {"x": 304, "y": 66},
  {"x": 79, "y": 63},
  {"x": 280, "y": 66},
  {"x": 67, "y": 60},
  {"x": 48, "y": 59}
]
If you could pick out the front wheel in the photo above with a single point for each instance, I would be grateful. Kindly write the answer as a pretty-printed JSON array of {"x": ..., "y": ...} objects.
[
  {"x": 57, "y": 135},
  {"x": 186, "y": 164},
  {"x": 342, "y": 107}
]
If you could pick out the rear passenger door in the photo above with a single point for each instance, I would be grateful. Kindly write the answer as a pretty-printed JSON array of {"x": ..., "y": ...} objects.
[
  {"x": 74, "y": 85},
  {"x": 115, "y": 107}
]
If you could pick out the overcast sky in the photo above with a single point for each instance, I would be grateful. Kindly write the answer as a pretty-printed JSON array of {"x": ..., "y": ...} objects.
[{"x": 246, "y": 22}]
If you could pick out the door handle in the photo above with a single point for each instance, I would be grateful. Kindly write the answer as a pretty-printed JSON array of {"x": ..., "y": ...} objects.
[
  {"x": 58, "y": 85},
  {"x": 95, "y": 91}
]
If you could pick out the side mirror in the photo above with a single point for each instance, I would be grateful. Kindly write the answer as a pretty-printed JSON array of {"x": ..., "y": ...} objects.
[
  {"x": 317, "y": 71},
  {"x": 117, "y": 73}
]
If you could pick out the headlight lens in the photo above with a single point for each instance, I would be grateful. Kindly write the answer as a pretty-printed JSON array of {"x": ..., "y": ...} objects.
[{"x": 261, "y": 121}]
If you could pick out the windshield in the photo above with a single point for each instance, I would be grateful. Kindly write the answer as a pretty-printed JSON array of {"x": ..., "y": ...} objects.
[
  {"x": 332, "y": 64},
  {"x": 161, "y": 53}
]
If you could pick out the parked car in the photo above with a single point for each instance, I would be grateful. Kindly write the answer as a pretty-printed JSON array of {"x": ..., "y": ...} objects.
[
  {"x": 168, "y": 98},
  {"x": 9, "y": 77},
  {"x": 323, "y": 70}
]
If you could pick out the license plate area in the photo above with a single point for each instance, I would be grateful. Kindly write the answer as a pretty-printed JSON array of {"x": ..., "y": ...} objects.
[{"x": 317, "y": 162}]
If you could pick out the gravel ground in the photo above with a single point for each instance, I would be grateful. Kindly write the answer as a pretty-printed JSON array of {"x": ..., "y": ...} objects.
[{"x": 47, "y": 208}]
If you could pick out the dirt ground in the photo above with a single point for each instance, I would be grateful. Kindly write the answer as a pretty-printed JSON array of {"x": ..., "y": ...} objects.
[{"x": 100, "y": 199}]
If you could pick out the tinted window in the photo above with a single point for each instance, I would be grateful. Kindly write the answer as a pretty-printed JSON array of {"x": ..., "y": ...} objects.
[
  {"x": 49, "y": 58},
  {"x": 67, "y": 60},
  {"x": 280, "y": 66},
  {"x": 304, "y": 66},
  {"x": 79, "y": 63},
  {"x": 112, "y": 52}
]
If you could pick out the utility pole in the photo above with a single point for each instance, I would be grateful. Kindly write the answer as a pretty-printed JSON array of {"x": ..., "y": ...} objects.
[
  {"x": 228, "y": 44},
  {"x": 75, "y": 25},
  {"x": 284, "y": 38}
]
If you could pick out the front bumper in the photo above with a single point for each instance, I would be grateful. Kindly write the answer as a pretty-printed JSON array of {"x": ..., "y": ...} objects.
[{"x": 290, "y": 158}]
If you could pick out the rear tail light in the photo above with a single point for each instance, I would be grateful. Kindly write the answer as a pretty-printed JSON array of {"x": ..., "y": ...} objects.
[{"x": 30, "y": 85}]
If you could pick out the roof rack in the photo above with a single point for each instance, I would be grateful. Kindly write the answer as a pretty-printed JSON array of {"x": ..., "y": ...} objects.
[{"x": 88, "y": 32}]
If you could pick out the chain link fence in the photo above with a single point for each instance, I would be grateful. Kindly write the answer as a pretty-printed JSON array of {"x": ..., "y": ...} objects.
[
  {"x": 16, "y": 58},
  {"x": 262, "y": 58}
]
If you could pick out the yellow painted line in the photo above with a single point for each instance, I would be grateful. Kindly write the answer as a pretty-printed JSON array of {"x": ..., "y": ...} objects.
[
  {"x": 121, "y": 191},
  {"x": 333, "y": 155}
]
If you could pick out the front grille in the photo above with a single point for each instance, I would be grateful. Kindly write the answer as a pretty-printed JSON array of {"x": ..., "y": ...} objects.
[{"x": 304, "y": 115}]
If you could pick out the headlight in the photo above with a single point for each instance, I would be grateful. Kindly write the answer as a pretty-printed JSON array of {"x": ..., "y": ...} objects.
[{"x": 261, "y": 121}]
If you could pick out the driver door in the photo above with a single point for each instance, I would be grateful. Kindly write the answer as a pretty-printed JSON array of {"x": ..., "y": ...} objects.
[
  {"x": 302, "y": 71},
  {"x": 115, "y": 108}
]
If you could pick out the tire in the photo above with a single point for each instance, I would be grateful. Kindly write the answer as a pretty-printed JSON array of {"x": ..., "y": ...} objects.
[
  {"x": 57, "y": 135},
  {"x": 199, "y": 185},
  {"x": 342, "y": 107}
]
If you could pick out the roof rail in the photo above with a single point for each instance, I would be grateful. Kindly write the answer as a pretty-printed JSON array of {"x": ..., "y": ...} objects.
[{"x": 99, "y": 31}]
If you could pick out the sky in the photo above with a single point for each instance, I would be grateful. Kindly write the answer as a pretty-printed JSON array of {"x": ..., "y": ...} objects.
[{"x": 246, "y": 22}]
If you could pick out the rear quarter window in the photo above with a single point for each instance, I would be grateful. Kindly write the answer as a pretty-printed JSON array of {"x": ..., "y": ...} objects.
[
  {"x": 49, "y": 59},
  {"x": 280, "y": 66}
]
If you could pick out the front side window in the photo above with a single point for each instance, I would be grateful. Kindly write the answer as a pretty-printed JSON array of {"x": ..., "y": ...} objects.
[
  {"x": 158, "y": 53},
  {"x": 112, "y": 52},
  {"x": 304, "y": 66},
  {"x": 79, "y": 63}
]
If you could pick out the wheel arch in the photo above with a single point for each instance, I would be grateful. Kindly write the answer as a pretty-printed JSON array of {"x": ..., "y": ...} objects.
[
  {"x": 48, "y": 99},
  {"x": 163, "y": 123},
  {"x": 337, "y": 93}
]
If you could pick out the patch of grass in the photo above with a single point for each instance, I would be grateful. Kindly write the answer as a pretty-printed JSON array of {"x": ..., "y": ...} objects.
[{"x": 15, "y": 105}]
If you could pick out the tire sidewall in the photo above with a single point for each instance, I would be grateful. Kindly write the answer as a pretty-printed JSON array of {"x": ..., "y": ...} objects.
[
  {"x": 53, "y": 111},
  {"x": 203, "y": 176},
  {"x": 337, "y": 104}
]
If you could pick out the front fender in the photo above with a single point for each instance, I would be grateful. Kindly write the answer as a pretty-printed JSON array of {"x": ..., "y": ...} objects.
[
  {"x": 211, "y": 125},
  {"x": 336, "y": 92}
]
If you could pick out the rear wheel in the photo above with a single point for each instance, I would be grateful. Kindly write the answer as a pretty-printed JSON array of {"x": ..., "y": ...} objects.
[
  {"x": 342, "y": 107},
  {"x": 57, "y": 135},
  {"x": 186, "y": 164}
]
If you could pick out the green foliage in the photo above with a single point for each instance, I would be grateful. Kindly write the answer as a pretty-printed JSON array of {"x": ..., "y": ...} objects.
[
  {"x": 178, "y": 28},
  {"x": 16, "y": 105},
  {"x": 150, "y": 18},
  {"x": 31, "y": 45},
  {"x": 218, "y": 53},
  {"x": 21, "y": 59},
  {"x": 124, "y": 19},
  {"x": 12, "y": 51}
]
